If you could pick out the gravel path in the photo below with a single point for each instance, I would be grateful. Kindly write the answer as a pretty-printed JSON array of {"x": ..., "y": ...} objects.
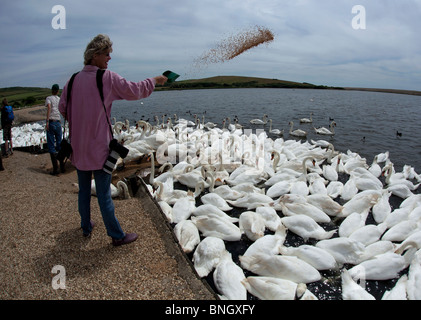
[{"x": 40, "y": 229}]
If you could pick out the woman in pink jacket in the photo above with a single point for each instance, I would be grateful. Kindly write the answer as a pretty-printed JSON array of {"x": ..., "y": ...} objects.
[{"x": 89, "y": 131}]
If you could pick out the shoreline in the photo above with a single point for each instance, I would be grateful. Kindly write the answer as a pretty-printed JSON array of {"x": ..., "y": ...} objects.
[
  {"x": 38, "y": 112},
  {"x": 29, "y": 114}
]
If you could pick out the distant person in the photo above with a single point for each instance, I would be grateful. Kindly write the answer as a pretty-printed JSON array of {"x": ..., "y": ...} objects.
[
  {"x": 89, "y": 131},
  {"x": 53, "y": 128},
  {"x": 6, "y": 124}
]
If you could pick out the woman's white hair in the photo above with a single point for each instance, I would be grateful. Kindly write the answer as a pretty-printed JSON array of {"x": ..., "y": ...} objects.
[{"x": 98, "y": 45}]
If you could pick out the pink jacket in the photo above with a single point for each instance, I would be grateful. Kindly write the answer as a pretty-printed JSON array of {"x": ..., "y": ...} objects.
[{"x": 89, "y": 131}]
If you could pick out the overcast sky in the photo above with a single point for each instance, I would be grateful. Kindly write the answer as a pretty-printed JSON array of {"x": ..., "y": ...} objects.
[{"x": 315, "y": 40}]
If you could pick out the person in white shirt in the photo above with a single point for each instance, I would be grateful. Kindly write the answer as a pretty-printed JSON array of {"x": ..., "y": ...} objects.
[{"x": 53, "y": 128}]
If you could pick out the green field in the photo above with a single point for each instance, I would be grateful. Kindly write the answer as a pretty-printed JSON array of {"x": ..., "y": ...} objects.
[
  {"x": 20, "y": 97},
  {"x": 239, "y": 82}
]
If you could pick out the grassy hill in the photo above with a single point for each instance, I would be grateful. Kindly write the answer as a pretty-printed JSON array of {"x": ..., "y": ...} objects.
[
  {"x": 239, "y": 82},
  {"x": 20, "y": 97}
]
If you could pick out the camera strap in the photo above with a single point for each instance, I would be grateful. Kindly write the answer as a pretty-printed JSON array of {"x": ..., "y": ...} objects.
[{"x": 99, "y": 74}]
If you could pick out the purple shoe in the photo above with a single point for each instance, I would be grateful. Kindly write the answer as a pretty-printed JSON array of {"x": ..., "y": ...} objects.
[
  {"x": 92, "y": 227},
  {"x": 129, "y": 237}
]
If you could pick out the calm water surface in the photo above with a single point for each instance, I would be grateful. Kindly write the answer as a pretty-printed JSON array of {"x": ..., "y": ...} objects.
[{"x": 367, "y": 122}]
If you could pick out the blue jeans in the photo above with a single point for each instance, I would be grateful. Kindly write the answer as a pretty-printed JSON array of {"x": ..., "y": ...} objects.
[
  {"x": 54, "y": 136},
  {"x": 106, "y": 205}
]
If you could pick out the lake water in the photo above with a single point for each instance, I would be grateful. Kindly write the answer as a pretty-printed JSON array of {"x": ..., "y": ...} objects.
[{"x": 366, "y": 122}]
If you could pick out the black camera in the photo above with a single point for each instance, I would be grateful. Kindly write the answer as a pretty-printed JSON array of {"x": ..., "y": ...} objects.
[
  {"x": 65, "y": 150},
  {"x": 117, "y": 150}
]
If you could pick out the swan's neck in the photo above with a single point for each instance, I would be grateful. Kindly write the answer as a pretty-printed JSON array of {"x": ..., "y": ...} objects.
[
  {"x": 305, "y": 166},
  {"x": 276, "y": 158},
  {"x": 152, "y": 176},
  {"x": 212, "y": 184}
]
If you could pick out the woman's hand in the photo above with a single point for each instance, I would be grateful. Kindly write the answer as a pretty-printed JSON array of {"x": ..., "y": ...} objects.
[{"x": 161, "y": 79}]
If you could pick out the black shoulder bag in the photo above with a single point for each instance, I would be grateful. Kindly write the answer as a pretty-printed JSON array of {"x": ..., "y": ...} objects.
[{"x": 65, "y": 146}]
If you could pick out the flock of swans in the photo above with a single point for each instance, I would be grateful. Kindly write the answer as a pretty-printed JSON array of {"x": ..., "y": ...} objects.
[
  {"x": 26, "y": 135},
  {"x": 218, "y": 187}
]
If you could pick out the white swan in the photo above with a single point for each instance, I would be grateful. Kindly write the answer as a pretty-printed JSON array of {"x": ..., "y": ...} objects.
[
  {"x": 187, "y": 235},
  {"x": 317, "y": 257},
  {"x": 369, "y": 234},
  {"x": 385, "y": 266},
  {"x": 216, "y": 200},
  {"x": 382, "y": 208},
  {"x": 351, "y": 223},
  {"x": 344, "y": 250},
  {"x": 351, "y": 290},
  {"x": 275, "y": 131},
  {"x": 349, "y": 190},
  {"x": 171, "y": 196},
  {"x": 269, "y": 288},
  {"x": 361, "y": 202},
  {"x": 184, "y": 207},
  {"x": 325, "y": 203},
  {"x": 268, "y": 244},
  {"x": 317, "y": 185},
  {"x": 330, "y": 172},
  {"x": 207, "y": 255},
  {"x": 398, "y": 292},
  {"x": 307, "y": 120},
  {"x": 260, "y": 121},
  {"x": 325, "y": 131},
  {"x": 291, "y": 185},
  {"x": 306, "y": 227},
  {"x": 192, "y": 177},
  {"x": 121, "y": 190},
  {"x": 226, "y": 192},
  {"x": 393, "y": 178},
  {"x": 375, "y": 168},
  {"x": 334, "y": 189},
  {"x": 284, "y": 267},
  {"x": 166, "y": 209},
  {"x": 213, "y": 226},
  {"x": 252, "y": 224},
  {"x": 251, "y": 201},
  {"x": 365, "y": 180},
  {"x": 206, "y": 209},
  {"x": 376, "y": 249},
  {"x": 401, "y": 231},
  {"x": 270, "y": 217},
  {"x": 228, "y": 279},
  {"x": 400, "y": 190},
  {"x": 279, "y": 188},
  {"x": 296, "y": 133},
  {"x": 290, "y": 207},
  {"x": 414, "y": 278}
]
